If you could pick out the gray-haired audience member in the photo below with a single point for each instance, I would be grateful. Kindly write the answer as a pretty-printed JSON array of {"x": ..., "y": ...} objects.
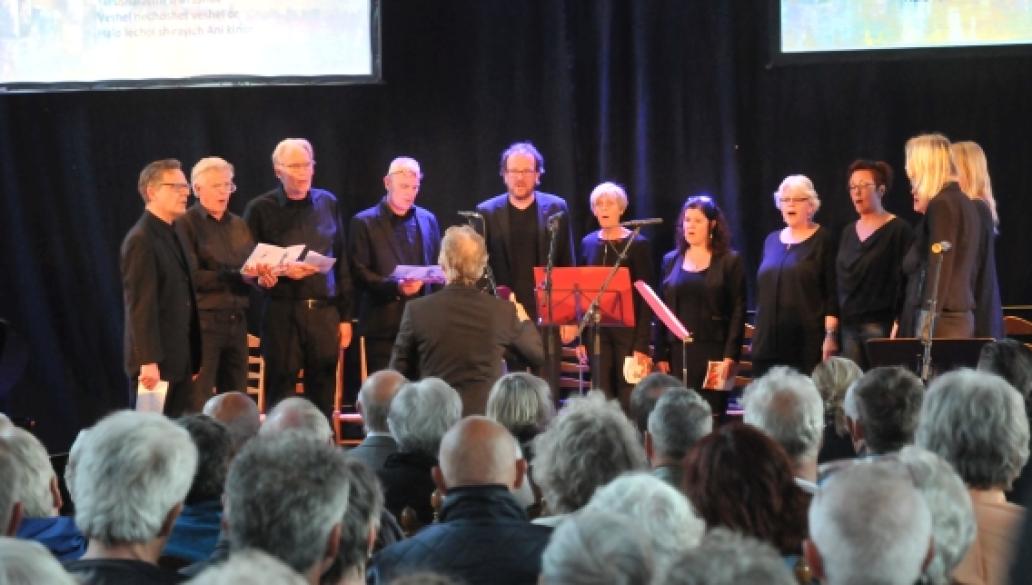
[
  {"x": 953, "y": 519},
  {"x": 589, "y": 444},
  {"x": 10, "y": 507},
  {"x": 23, "y": 562},
  {"x": 483, "y": 535},
  {"x": 669, "y": 524},
  {"x": 681, "y": 417},
  {"x": 36, "y": 487},
  {"x": 645, "y": 394},
  {"x": 786, "y": 405},
  {"x": 869, "y": 525},
  {"x": 299, "y": 415},
  {"x": 882, "y": 409},
  {"x": 238, "y": 412},
  {"x": 132, "y": 473},
  {"x": 976, "y": 422},
  {"x": 726, "y": 557},
  {"x": 833, "y": 377},
  {"x": 374, "y": 402},
  {"x": 361, "y": 526},
  {"x": 522, "y": 403},
  {"x": 595, "y": 546},
  {"x": 420, "y": 415},
  {"x": 248, "y": 567},
  {"x": 287, "y": 495},
  {"x": 424, "y": 578},
  {"x": 198, "y": 527}
]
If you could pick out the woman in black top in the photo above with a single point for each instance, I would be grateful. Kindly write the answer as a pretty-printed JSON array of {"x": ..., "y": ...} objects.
[
  {"x": 703, "y": 283},
  {"x": 950, "y": 230},
  {"x": 602, "y": 248},
  {"x": 868, "y": 263},
  {"x": 796, "y": 304}
]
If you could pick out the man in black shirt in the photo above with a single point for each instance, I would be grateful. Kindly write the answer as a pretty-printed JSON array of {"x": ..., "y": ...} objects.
[
  {"x": 217, "y": 243},
  {"x": 392, "y": 232},
  {"x": 307, "y": 319},
  {"x": 518, "y": 239}
]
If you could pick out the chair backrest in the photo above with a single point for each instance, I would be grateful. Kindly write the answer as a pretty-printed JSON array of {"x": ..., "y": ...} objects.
[
  {"x": 256, "y": 371},
  {"x": 1016, "y": 326}
]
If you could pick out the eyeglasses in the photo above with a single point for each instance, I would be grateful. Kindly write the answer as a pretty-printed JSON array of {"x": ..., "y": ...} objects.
[
  {"x": 793, "y": 199},
  {"x": 300, "y": 166},
  {"x": 176, "y": 186},
  {"x": 861, "y": 186},
  {"x": 521, "y": 173},
  {"x": 231, "y": 187}
]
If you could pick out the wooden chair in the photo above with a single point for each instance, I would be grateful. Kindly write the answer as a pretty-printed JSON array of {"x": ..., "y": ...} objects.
[
  {"x": 256, "y": 371},
  {"x": 743, "y": 376},
  {"x": 1016, "y": 326},
  {"x": 341, "y": 416}
]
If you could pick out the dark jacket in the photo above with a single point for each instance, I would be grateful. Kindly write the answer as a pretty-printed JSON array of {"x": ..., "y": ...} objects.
[
  {"x": 161, "y": 324},
  {"x": 374, "y": 450},
  {"x": 407, "y": 482},
  {"x": 483, "y": 537},
  {"x": 120, "y": 572}
]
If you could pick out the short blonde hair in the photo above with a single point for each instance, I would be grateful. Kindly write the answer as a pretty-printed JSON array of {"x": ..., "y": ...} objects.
[
  {"x": 929, "y": 165},
  {"x": 610, "y": 190},
  {"x": 288, "y": 143},
  {"x": 800, "y": 183},
  {"x": 973, "y": 174},
  {"x": 209, "y": 163},
  {"x": 463, "y": 255}
]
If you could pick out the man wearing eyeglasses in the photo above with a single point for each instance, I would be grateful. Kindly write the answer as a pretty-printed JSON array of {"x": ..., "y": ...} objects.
[
  {"x": 162, "y": 335},
  {"x": 217, "y": 243},
  {"x": 307, "y": 319},
  {"x": 518, "y": 238}
]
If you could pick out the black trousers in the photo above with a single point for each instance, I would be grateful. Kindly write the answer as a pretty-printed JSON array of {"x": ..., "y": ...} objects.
[
  {"x": 296, "y": 335},
  {"x": 378, "y": 353},
  {"x": 615, "y": 343},
  {"x": 223, "y": 355}
]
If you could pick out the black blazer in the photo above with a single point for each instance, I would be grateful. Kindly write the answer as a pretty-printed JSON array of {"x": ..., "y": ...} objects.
[
  {"x": 374, "y": 254},
  {"x": 499, "y": 236},
  {"x": 459, "y": 334},
  {"x": 161, "y": 323},
  {"x": 722, "y": 318}
]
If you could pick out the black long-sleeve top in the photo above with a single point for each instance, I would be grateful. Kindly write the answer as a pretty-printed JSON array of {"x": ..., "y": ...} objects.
[
  {"x": 217, "y": 248},
  {"x": 598, "y": 252},
  {"x": 869, "y": 273},
  {"x": 314, "y": 222},
  {"x": 988, "y": 307}
]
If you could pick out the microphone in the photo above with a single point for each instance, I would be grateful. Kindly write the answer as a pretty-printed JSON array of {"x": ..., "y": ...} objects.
[
  {"x": 470, "y": 214},
  {"x": 940, "y": 247},
  {"x": 642, "y": 222}
]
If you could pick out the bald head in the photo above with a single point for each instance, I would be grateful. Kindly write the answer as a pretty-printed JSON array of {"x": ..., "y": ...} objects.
[
  {"x": 299, "y": 415},
  {"x": 479, "y": 451},
  {"x": 374, "y": 399},
  {"x": 238, "y": 412}
]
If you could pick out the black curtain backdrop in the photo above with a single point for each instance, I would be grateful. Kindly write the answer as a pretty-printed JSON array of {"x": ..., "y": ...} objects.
[{"x": 669, "y": 98}]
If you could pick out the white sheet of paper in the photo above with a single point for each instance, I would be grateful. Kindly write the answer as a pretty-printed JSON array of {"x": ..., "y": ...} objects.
[
  {"x": 151, "y": 400},
  {"x": 275, "y": 256},
  {"x": 323, "y": 263}
]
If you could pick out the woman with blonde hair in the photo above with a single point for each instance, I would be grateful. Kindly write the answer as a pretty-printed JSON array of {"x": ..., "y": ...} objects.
[
  {"x": 973, "y": 177},
  {"x": 947, "y": 236}
]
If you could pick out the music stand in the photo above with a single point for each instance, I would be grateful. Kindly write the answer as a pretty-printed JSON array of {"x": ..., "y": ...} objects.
[
  {"x": 574, "y": 291},
  {"x": 670, "y": 321},
  {"x": 947, "y": 354}
]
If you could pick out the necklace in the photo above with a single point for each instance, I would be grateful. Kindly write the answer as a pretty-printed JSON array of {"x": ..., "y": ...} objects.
[{"x": 606, "y": 246}]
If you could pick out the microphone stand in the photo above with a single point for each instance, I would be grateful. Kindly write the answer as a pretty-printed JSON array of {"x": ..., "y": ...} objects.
[
  {"x": 546, "y": 286},
  {"x": 592, "y": 313},
  {"x": 929, "y": 329},
  {"x": 488, "y": 273}
]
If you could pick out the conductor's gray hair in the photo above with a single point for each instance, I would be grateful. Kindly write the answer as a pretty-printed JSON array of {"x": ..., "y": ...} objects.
[
  {"x": 594, "y": 546},
  {"x": 681, "y": 417},
  {"x": 589, "y": 444},
  {"x": 131, "y": 469},
  {"x": 976, "y": 421},
  {"x": 26, "y": 562},
  {"x": 421, "y": 413},
  {"x": 727, "y": 558},
  {"x": 787, "y": 406}
]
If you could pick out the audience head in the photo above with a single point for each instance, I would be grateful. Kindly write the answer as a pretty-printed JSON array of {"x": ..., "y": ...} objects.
[
  {"x": 298, "y": 415},
  {"x": 522, "y": 403},
  {"x": 597, "y": 546},
  {"x": 287, "y": 494},
  {"x": 739, "y": 478},
  {"x": 882, "y": 409},
  {"x": 953, "y": 519},
  {"x": 725, "y": 557},
  {"x": 25, "y": 562},
  {"x": 246, "y": 567},
  {"x": 681, "y": 417},
  {"x": 132, "y": 473},
  {"x": 35, "y": 484},
  {"x": 977, "y": 422},
  {"x": 402, "y": 184},
  {"x": 11, "y": 476},
  {"x": 463, "y": 255},
  {"x": 5, "y": 423},
  {"x": 832, "y": 377},
  {"x": 786, "y": 405},
  {"x": 238, "y": 412},
  {"x": 664, "y": 514},
  {"x": 478, "y": 451},
  {"x": 424, "y": 578},
  {"x": 717, "y": 237},
  {"x": 1011, "y": 360},
  {"x": 645, "y": 394},
  {"x": 375, "y": 396},
  {"x": 929, "y": 167},
  {"x": 214, "y": 450},
  {"x": 973, "y": 174},
  {"x": 361, "y": 522},
  {"x": 421, "y": 413},
  {"x": 588, "y": 444},
  {"x": 869, "y": 524}
]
